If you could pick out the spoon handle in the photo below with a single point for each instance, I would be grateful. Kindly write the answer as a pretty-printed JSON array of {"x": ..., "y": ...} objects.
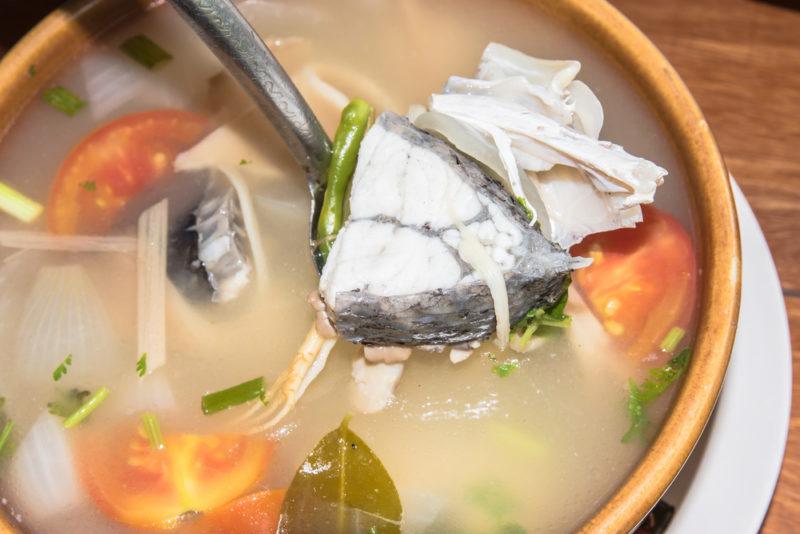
[{"x": 231, "y": 38}]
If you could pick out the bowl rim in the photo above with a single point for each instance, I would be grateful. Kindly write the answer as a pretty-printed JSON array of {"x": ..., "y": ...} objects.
[{"x": 65, "y": 32}]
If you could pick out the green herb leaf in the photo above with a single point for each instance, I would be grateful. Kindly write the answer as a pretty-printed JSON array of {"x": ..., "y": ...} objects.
[
  {"x": 141, "y": 365},
  {"x": 673, "y": 337},
  {"x": 144, "y": 51},
  {"x": 63, "y": 100},
  {"x": 506, "y": 368},
  {"x": 5, "y": 434},
  {"x": 86, "y": 408},
  {"x": 227, "y": 398},
  {"x": 62, "y": 368},
  {"x": 341, "y": 487},
  {"x": 245, "y": 162},
  {"x": 88, "y": 185},
  {"x": 68, "y": 402},
  {"x": 32, "y": 71},
  {"x": 153, "y": 430},
  {"x": 552, "y": 316},
  {"x": 18, "y": 205},
  {"x": 641, "y": 395},
  {"x": 492, "y": 500}
]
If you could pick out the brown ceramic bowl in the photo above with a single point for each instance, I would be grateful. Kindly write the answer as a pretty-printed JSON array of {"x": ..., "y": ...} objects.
[{"x": 64, "y": 33}]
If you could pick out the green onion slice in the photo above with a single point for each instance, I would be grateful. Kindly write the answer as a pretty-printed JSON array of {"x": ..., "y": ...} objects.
[
  {"x": 153, "y": 430},
  {"x": 86, "y": 408},
  {"x": 6, "y": 433},
  {"x": 18, "y": 205},
  {"x": 63, "y": 100},
  {"x": 144, "y": 51},
  {"x": 222, "y": 400},
  {"x": 673, "y": 337}
]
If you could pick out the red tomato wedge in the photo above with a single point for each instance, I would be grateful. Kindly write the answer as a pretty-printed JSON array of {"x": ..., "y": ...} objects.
[
  {"x": 257, "y": 513},
  {"x": 113, "y": 163},
  {"x": 642, "y": 281},
  {"x": 142, "y": 487}
]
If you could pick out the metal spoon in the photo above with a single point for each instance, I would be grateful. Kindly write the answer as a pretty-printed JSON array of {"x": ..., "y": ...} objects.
[{"x": 231, "y": 38}]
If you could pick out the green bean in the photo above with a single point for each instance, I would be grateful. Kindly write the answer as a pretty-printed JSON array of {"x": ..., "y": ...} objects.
[{"x": 352, "y": 127}]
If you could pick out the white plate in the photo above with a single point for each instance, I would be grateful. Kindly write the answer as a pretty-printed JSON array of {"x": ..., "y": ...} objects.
[{"x": 727, "y": 484}]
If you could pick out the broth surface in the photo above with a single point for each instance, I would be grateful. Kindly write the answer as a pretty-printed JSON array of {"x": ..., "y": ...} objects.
[{"x": 545, "y": 441}]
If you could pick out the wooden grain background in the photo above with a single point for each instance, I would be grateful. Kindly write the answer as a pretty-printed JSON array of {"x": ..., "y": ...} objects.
[{"x": 741, "y": 59}]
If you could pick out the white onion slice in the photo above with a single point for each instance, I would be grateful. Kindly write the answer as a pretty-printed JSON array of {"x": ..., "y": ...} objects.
[
  {"x": 472, "y": 252},
  {"x": 42, "y": 475},
  {"x": 63, "y": 314},
  {"x": 152, "y": 281}
]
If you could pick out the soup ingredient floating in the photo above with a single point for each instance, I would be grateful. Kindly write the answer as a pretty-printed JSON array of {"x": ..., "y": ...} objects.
[
  {"x": 18, "y": 205},
  {"x": 341, "y": 487},
  {"x": 121, "y": 158},
  {"x": 642, "y": 282},
  {"x": 428, "y": 234},
  {"x": 147, "y": 487},
  {"x": 642, "y": 395},
  {"x": 537, "y": 127}
]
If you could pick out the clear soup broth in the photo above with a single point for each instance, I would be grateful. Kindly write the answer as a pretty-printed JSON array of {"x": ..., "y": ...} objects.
[{"x": 469, "y": 450}]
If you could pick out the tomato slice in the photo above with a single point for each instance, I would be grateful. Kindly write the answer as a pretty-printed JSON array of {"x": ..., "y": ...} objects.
[
  {"x": 257, "y": 513},
  {"x": 113, "y": 163},
  {"x": 642, "y": 281},
  {"x": 143, "y": 487}
]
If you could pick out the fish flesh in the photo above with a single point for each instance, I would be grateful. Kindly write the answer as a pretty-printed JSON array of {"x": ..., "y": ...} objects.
[
  {"x": 209, "y": 248},
  {"x": 398, "y": 273}
]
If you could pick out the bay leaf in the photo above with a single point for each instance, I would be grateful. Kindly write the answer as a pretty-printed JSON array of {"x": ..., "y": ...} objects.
[{"x": 342, "y": 486}]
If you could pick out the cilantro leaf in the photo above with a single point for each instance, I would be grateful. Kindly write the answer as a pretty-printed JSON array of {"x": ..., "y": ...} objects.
[
  {"x": 88, "y": 185},
  {"x": 641, "y": 395},
  {"x": 62, "y": 368},
  {"x": 141, "y": 365},
  {"x": 506, "y": 368},
  {"x": 68, "y": 402}
]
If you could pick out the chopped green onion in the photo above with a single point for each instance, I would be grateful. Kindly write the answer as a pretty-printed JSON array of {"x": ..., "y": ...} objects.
[
  {"x": 506, "y": 368},
  {"x": 18, "y": 205},
  {"x": 62, "y": 368},
  {"x": 86, "y": 408},
  {"x": 222, "y": 400},
  {"x": 88, "y": 185},
  {"x": 63, "y": 100},
  {"x": 526, "y": 207},
  {"x": 141, "y": 365},
  {"x": 153, "y": 430},
  {"x": 6, "y": 433},
  {"x": 32, "y": 71},
  {"x": 673, "y": 337},
  {"x": 144, "y": 51}
]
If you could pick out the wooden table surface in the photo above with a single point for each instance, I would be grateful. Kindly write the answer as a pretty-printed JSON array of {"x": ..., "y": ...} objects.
[{"x": 741, "y": 60}]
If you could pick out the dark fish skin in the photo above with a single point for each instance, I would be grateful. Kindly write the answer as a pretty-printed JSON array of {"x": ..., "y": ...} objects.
[{"x": 464, "y": 312}]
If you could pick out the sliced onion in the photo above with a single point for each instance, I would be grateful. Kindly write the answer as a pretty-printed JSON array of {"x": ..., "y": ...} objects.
[
  {"x": 42, "y": 476},
  {"x": 472, "y": 252},
  {"x": 63, "y": 314}
]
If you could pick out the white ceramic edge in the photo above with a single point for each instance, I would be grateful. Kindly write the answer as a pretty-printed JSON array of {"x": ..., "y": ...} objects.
[{"x": 728, "y": 482}]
